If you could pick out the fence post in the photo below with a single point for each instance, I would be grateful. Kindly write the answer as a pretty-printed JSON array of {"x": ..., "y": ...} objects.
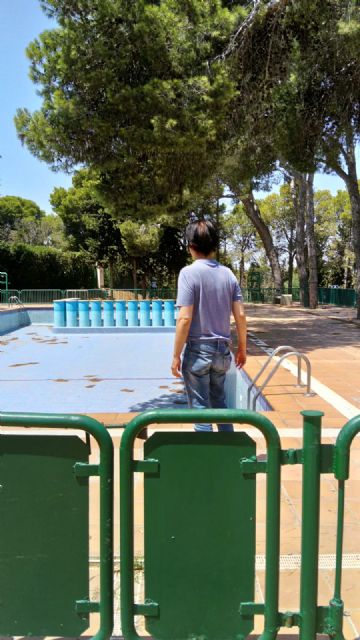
[{"x": 310, "y": 524}]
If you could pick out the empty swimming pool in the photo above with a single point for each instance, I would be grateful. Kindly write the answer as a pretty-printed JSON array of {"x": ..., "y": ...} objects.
[{"x": 100, "y": 373}]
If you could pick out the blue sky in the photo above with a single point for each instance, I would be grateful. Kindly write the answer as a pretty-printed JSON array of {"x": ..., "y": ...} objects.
[{"x": 20, "y": 173}]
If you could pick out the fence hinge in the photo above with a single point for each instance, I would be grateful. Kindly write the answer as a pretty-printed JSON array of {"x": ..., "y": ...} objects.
[
  {"x": 289, "y": 619},
  {"x": 251, "y": 609},
  {"x": 146, "y": 466},
  {"x": 84, "y": 470},
  {"x": 85, "y": 606},
  {"x": 327, "y": 455},
  {"x": 149, "y": 609},
  {"x": 291, "y": 456},
  {"x": 252, "y": 465},
  {"x": 329, "y": 619}
]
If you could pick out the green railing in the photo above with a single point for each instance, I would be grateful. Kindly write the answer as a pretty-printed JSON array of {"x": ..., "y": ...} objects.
[
  {"x": 47, "y": 296},
  {"x": 6, "y": 294},
  {"x": 39, "y": 296},
  {"x": 127, "y": 508},
  {"x": 40, "y": 540},
  {"x": 337, "y": 297},
  {"x": 267, "y": 295},
  {"x": 159, "y": 461},
  {"x": 199, "y": 520}
]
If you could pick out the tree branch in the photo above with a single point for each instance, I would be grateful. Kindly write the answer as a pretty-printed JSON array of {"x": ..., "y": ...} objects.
[
  {"x": 244, "y": 29},
  {"x": 336, "y": 166}
]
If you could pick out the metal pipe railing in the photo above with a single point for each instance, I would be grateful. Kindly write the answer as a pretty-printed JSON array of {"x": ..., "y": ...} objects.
[
  {"x": 15, "y": 300},
  {"x": 265, "y": 365},
  {"x": 272, "y": 505},
  {"x": 300, "y": 357}
]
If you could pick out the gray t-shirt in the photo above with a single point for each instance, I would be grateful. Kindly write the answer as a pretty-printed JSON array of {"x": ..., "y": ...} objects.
[{"x": 211, "y": 288}]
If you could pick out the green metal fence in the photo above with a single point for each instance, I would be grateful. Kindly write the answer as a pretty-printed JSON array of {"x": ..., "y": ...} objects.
[
  {"x": 5, "y": 294},
  {"x": 44, "y": 536},
  {"x": 260, "y": 295},
  {"x": 174, "y": 466},
  {"x": 338, "y": 297},
  {"x": 47, "y": 296},
  {"x": 39, "y": 296},
  {"x": 199, "y": 527}
]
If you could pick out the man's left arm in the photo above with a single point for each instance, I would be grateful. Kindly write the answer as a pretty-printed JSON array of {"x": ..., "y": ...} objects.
[{"x": 182, "y": 331}]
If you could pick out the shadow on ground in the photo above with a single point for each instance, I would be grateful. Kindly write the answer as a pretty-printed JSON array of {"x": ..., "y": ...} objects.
[
  {"x": 164, "y": 401},
  {"x": 300, "y": 329}
]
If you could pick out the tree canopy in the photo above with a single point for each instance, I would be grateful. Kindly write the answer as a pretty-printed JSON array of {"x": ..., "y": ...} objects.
[
  {"x": 126, "y": 88},
  {"x": 166, "y": 99}
]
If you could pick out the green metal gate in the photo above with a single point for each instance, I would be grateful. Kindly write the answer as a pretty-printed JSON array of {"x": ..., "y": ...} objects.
[
  {"x": 199, "y": 536},
  {"x": 200, "y": 525},
  {"x": 44, "y": 536}
]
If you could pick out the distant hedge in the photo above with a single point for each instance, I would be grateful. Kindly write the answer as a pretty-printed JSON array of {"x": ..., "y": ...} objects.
[{"x": 31, "y": 267}]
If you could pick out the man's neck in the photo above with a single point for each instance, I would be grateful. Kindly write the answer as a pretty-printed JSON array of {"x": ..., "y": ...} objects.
[{"x": 201, "y": 256}]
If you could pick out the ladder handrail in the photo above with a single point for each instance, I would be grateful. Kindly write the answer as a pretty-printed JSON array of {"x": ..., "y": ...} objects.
[
  {"x": 273, "y": 353},
  {"x": 300, "y": 356},
  {"x": 16, "y": 301}
]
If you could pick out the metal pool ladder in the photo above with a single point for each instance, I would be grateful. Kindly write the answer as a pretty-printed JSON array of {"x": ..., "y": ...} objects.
[
  {"x": 15, "y": 300},
  {"x": 289, "y": 351}
]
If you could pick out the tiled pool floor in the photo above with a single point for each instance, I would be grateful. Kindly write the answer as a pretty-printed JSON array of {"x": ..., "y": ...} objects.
[{"x": 41, "y": 371}]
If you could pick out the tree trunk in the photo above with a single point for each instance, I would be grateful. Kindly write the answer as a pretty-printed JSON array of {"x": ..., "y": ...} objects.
[
  {"x": 290, "y": 268},
  {"x": 298, "y": 194},
  {"x": 291, "y": 250},
  {"x": 354, "y": 195},
  {"x": 310, "y": 241},
  {"x": 351, "y": 180},
  {"x": 242, "y": 270},
  {"x": 218, "y": 227},
  {"x": 353, "y": 190},
  {"x": 347, "y": 267},
  {"x": 253, "y": 213},
  {"x": 134, "y": 271},
  {"x": 111, "y": 274}
]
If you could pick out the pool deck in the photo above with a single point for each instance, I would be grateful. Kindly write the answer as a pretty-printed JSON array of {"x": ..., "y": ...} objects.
[{"x": 330, "y": 337}]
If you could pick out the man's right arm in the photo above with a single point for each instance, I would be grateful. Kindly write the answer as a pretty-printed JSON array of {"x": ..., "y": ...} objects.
[{"x": 240, "y": 323}]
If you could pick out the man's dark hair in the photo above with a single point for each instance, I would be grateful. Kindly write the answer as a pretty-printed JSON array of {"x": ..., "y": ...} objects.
[{"x": 202, "y": 236}]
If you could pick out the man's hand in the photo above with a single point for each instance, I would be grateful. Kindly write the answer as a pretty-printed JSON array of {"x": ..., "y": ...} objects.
[
  {"x": 240, "y": 321},
  {"x": 176, "y": 367},
  {"x": 240, "y": 359},
  {"x": 182, "y": 331}
]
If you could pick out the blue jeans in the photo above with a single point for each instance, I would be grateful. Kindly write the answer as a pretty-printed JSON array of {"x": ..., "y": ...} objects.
[{"x": 204, "y": 367}]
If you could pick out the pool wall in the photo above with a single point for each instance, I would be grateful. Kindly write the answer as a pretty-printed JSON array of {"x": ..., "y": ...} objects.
[
  {"x": 236, "y": 387},
  {"x": 13, "y": 319}
]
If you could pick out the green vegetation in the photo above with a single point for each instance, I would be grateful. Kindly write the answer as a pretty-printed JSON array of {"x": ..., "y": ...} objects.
[
  {"x": 45, "y": 268},
  {"x": 170, "y": 105}
]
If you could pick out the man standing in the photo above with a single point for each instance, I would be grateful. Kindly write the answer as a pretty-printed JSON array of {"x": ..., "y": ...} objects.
[{"x": 208, "y": 293}]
